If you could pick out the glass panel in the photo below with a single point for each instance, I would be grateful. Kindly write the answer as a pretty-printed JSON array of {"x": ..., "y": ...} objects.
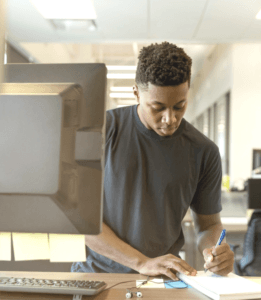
[
  {"x": 211, "y": 123},
  {"x": 221, "y": 132},
  {"x": 206, "y": 123},
  {"x": 200, "y": 123}
]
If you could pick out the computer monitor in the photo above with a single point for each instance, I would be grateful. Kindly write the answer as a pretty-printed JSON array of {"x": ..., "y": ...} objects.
[
  {"x": 52, "y": 139},
  {"x": 254, "y": 193}
]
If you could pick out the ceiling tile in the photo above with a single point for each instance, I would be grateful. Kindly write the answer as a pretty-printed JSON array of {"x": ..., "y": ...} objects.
[
  {"x": 175, "y": 19},
  {"x": 227, "y": 20},
  {"x": 122, "y": 19}
]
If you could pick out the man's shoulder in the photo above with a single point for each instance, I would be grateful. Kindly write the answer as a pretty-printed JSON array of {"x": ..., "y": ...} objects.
[
  {"x": 119, "y": 113},
  {"x": 117, "y": 119},
  {"x": 198, "y": 138}
]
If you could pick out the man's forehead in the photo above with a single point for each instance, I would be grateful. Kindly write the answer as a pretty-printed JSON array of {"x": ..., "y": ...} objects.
[{"x": 165, "y": 92}]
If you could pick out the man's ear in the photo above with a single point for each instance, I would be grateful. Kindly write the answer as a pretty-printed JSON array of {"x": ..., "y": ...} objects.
[{"x": 136, "y": 93}]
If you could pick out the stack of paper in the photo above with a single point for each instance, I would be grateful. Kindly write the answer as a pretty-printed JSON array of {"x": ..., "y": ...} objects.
[{"x": 223, "y": 287}]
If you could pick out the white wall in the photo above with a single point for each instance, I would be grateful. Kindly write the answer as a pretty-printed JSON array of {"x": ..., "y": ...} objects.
[
  {"x": 213, "y": 81},
  {"x": 235, "y": 68},
  {"x": 2, "y": 37},
  {"x": 245, "y": 123}
]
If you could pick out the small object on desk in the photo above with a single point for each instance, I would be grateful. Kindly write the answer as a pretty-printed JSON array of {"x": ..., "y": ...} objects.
[
  {"x": 154, "y": 283},
  {"x": 222, "y": 235},
  {"x": 159, "y": 283},
  {"x": 170, "y": 284}
]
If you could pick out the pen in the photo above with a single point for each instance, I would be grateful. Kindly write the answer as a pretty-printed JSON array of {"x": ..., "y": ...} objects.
[{"x": 222, "y": 235}]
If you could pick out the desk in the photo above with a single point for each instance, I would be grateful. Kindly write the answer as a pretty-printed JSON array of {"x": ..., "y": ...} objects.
[{"x": 116, "y": 293}]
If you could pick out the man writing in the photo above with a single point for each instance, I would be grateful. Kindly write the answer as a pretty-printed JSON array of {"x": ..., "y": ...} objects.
[{"x": 157, "y": 165}]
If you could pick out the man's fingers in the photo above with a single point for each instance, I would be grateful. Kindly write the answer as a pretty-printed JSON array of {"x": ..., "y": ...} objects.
[
  {"x": 222, "y": 269},
  {"x": 208, "y": 256},
  {"x": 216, "y": 261},
  {"x": 186, "y": 266},
  {"x": 219, "y": 261},
  {"x": 168, "y": 273},
  {"x": 221, "y": 249},
  {"x": 182, "y": 267}
]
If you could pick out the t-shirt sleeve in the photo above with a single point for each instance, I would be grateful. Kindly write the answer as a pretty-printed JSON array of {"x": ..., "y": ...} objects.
[
  {"x": 207, "y": 198},
  {"x": 110, "y": 125}
]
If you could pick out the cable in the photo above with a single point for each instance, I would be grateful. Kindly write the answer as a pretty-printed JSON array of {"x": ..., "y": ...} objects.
[
  {"x": 117, "y": 284},
  {"x": 146, "y": 281}
]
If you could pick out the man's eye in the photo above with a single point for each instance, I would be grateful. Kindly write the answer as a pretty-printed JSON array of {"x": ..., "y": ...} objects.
[
  {"x": 158, "y": 109},
  {"x": 162, "y": 108}
]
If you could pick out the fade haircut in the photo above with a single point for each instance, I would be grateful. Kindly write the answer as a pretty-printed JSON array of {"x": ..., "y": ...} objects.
[{"x": 163, "y": 64}]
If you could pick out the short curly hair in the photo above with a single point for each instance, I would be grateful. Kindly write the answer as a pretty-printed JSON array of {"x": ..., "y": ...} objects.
[{"x": 163, "y": 64}]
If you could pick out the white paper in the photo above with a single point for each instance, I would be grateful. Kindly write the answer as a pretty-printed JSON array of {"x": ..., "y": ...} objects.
[
  {"x": 67, "y": 247},
  {"x": 5, "y": 246},
  {"x": 30, "y": 246},
  {"x": 231, "y": 286}
]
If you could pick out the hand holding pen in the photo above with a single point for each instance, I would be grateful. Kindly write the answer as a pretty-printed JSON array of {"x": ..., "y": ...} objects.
[{"x": 222, "y": 235}]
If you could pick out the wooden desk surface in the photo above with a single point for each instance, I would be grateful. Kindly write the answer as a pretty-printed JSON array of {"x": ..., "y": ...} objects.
[{"x": 116, "y": 293}]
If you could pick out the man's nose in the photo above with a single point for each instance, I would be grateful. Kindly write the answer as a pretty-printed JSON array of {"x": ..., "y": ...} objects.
[{"x": 169, "y": 117}]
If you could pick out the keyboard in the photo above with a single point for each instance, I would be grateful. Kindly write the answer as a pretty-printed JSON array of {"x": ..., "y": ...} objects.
[{"x": 35, "y": 285}]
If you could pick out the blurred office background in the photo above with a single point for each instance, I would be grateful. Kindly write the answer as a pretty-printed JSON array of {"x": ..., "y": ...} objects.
[{"x": 223, "y": 39}]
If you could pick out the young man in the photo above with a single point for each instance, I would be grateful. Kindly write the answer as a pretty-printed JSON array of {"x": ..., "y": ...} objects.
[{"x": 157, "y": 166}]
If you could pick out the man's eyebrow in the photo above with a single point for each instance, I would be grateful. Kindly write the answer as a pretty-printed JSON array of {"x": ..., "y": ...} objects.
[{"x": 159, "y": 103}]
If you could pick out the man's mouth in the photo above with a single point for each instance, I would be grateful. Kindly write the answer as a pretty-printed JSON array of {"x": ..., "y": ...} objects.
[{"x": 168, "y": 128}]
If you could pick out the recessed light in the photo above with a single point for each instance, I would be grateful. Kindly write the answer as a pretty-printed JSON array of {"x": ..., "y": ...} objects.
[
  {"x": 120, "y": 76},
  {"x": 122, "y": 95},
  {"x": 66, "y": 9}
]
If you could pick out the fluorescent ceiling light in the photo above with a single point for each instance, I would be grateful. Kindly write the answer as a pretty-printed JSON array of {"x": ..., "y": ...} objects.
[
  {"x": 121, "y": 76},
  {"x": 127, "y": 102},
  {"x": 121, "y": 89},
  {"x": 122, "y": 68},
  {"x": 123, "y": 105},
  {"x": 74, "y": 25},
  {"x": 122, "y": 95},
  {"x": 258, "y": 16},
  {"x": 66, "y": 9}
]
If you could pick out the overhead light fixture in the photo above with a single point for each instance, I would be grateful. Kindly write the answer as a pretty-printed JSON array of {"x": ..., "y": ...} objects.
[
  {"x": 127, "y": 102},
  {"x": 66, "y": 9},
  {"x": 118, "y": 106},
  {"x": 74, "y": 25},
  {"x": 122, "y": 95},
  {"x": 120, "y": 76},
  {"x": 258, "y": 16},
  {"x": 122, "y": 68},
  {"x": 121, "y": 89}
]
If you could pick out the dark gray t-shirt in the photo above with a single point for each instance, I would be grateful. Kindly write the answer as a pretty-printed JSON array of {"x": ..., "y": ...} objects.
[{"x": 150, "y": 182}]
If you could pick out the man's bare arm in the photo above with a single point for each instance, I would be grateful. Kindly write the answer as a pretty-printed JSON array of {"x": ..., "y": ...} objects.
[
  {"x": 208, "y": 229},
  {"x": 109, "y": 245},
  {"x": 218, "y": 259}
]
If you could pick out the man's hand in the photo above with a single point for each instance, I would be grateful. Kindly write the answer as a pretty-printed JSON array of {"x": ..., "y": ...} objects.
[
  {"x": 166, "y": 265},
  {"x": 219, "y": 260}
]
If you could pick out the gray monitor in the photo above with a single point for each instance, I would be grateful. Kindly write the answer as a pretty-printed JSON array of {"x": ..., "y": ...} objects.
[
  {"x": 52, "y": 135},
  {"x": 254, "y": 193}
]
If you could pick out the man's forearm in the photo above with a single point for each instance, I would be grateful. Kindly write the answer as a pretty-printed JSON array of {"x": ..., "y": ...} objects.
[
  {"x": 109, "y": 245},
  {"x": 209, "y": 237}
]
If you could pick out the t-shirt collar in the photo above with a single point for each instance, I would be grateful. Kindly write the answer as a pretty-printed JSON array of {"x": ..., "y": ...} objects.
[{"x": 151, "y": 133}]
